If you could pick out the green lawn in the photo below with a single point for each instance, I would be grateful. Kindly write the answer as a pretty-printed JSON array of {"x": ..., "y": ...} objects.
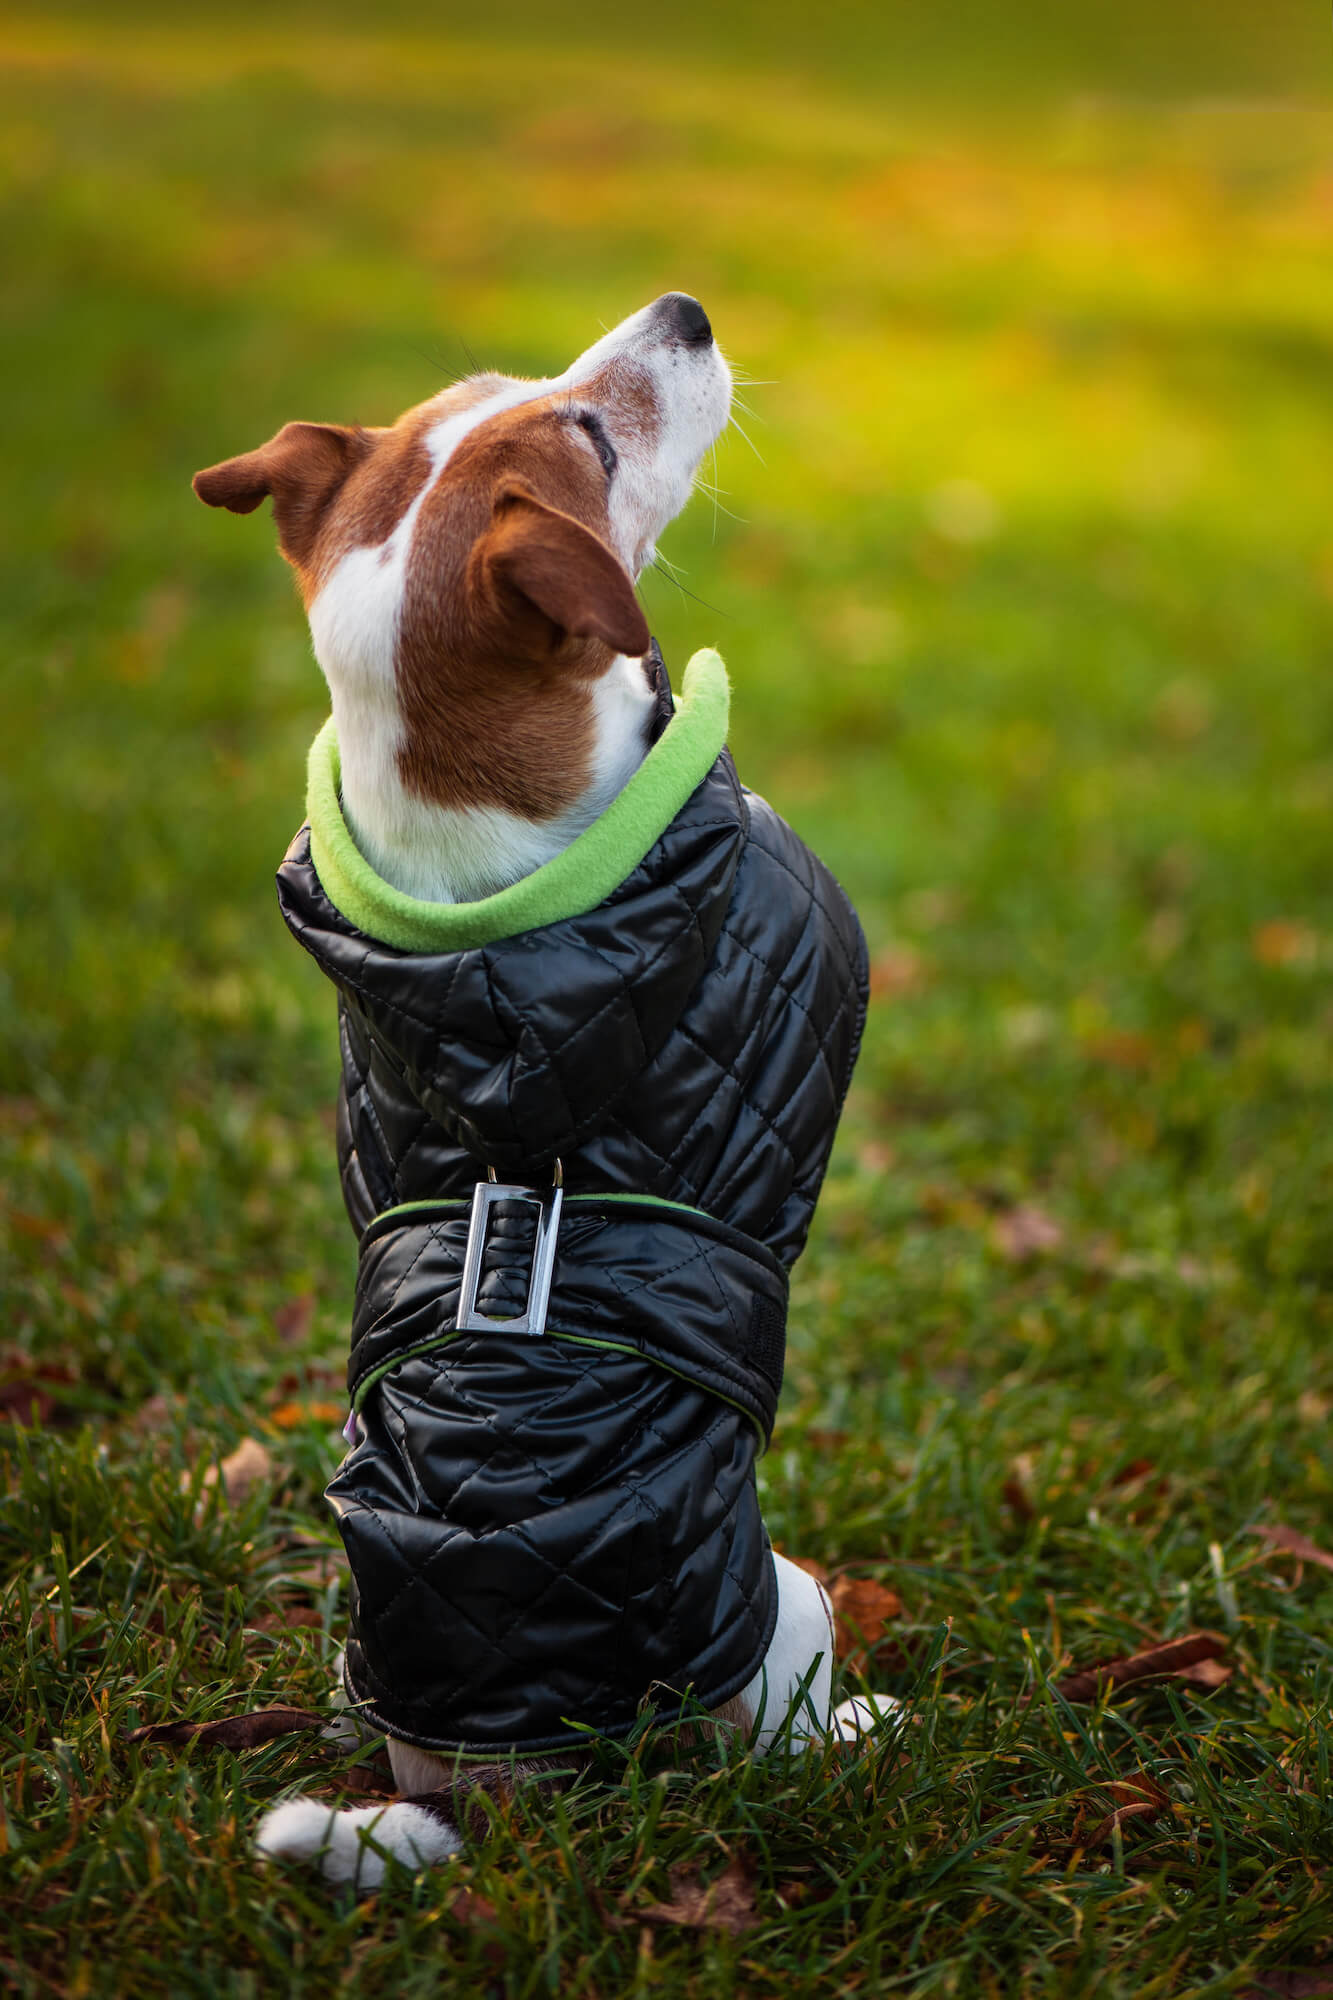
[{"x": 1027, "y": 597}]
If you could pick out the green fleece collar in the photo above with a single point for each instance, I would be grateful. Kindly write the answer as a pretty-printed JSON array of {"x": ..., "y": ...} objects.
[{"x": 580, "y": 877}]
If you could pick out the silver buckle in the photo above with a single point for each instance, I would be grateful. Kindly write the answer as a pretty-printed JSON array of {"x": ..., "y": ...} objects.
[{"x": 547, "y": 1203}]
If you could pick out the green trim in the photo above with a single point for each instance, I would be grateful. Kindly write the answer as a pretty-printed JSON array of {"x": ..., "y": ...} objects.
[
  {"x": 377, "y": 1375},
  {"x": 580, "y": 877},
  {"x": 461, "y": 1203},
  {"x": 644, "y": 1201}
]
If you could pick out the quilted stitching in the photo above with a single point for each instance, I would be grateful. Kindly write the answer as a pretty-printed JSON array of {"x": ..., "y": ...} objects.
[{"x": 693, "y": 1038}]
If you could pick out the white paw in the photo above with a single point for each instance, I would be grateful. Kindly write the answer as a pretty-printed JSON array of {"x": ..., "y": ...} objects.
[
  {"x": 862, "y": 1715},
  {"x": 340, "y": 1842}
]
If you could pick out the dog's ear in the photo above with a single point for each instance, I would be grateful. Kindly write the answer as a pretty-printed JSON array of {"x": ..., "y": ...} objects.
[
  {"x": 303, "y": 467},
  {"x": 564, "y": 570}
]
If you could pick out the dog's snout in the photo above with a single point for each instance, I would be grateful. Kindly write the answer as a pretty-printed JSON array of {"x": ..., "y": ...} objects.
[{"x": 685, "y": 319}]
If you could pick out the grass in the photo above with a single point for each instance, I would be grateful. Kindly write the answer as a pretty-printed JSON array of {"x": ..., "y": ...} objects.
[{"x": 1028, "y": 607}]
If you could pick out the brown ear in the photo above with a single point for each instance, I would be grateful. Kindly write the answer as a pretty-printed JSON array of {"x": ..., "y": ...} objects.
[
  {"x": 303, "y": 467},
  {"x": 564, "y": 570}
]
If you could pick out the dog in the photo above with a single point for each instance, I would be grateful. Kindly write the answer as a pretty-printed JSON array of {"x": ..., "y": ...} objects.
[{"x": 573, "y": 952}]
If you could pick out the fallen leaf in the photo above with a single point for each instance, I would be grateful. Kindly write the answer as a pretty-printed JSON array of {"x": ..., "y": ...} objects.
[
  {"x": 288, "y": 1618},
  {"x": 898, "y": 968},
  {"x": 1019, "y": 1486},
  {"x": 1206, "y": 1673},
  {"x": 289, "y": 1416},
  {"x": 725, "y": 1904},
  {"x": 1281, "y": 942},
  {"x": 1137, "y": 1797},
  {"x": 1123, "y": 1048},
  {"x": 232, "y": 1732},
  {"x": 1122, "y": 1815},
  {"x": 1288, "y": 1982},
  {"x": 469, "y": 1906},
  {"x": 295, "y": 1319},
  {"x": 875, "y": 1158},
  {"x": 1158, "y": 1662},
  {"x": 38, "y": 1228},
  {"x": 1136, "y": 1789},
  {"x": 1024, "y": 1232},
  {"x": 1291, "y": 1542},
  {"x": 241, "y": 1470},
  {"x": 861, "y": 1609},
  {"x": 28, "y": 1390}
]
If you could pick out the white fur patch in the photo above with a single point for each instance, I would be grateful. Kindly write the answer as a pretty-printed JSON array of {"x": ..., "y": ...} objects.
[
  {"x": 341, "y": 1842},
  {"x": 802, "y": 1635},
  {"x": 864, "y": 1714}
]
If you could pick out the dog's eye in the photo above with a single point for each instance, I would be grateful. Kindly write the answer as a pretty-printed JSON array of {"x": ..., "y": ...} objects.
[{"x": 596, "y": 429}]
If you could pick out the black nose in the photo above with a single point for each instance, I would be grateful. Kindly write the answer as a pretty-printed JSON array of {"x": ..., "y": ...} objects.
[{"x": 685, "y": 318}]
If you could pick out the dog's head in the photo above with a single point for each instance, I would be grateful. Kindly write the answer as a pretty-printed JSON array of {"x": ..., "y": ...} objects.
[{"x": 499, "y": 527}]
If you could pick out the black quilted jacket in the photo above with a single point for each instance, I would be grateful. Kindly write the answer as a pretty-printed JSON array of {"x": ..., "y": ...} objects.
[{"x": 542, "y": 1530}]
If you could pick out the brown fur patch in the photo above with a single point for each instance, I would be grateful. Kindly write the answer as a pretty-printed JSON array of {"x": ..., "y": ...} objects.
[
  {"x": 497, "y": 702},
  {"x": 496, "y": 694}
]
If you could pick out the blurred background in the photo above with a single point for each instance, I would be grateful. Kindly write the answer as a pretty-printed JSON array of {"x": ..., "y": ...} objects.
[{"x": 1024, "y": 578}]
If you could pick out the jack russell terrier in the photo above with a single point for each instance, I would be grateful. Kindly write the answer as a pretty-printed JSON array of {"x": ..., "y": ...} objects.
[{"x": 598, "y": 1011}]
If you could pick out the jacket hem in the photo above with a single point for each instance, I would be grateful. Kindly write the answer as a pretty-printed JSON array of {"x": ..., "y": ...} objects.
[{"x": 576, "y": 1736}]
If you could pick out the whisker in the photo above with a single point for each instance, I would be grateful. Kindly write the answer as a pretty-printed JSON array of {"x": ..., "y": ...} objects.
[
  {"x": 659, "y": 564},
  {"x": 736, "y": 425}
]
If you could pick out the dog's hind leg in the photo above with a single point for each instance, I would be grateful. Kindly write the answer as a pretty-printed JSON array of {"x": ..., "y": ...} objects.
[{"x": 788, "y": 1699}]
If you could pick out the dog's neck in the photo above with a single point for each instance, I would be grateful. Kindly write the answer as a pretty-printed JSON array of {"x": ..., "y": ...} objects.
[{"x": 446, "y": 854}]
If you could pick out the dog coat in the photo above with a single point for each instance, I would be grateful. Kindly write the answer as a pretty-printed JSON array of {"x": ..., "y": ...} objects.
[{"x": 546, "y": 1528}]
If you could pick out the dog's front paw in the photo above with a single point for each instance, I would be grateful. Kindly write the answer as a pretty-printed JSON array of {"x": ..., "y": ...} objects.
[{"x": 357, "y": 1844}]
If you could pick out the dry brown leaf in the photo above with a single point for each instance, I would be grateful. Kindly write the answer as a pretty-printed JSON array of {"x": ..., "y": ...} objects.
[
  {"x": 469, "y": 1906},
  {"x": 1281, "y": 942},
  {"x": 1024, "y": 1232},
  {"x": 1137, "y": 1789},
  {"x": 1287, "y": 1982},
  {"x": 1205, "y": 1673},
  {"x": 295, "y": 1319},
  {"x": 861, "y": 1608},
  {"x": 1019, "y": 1486},
  {"x": 289, "y": 1416},
  {"x": 726, "y": 1904},
  {"x": 1291, "y": 1542},
  {"x": 1123, "y": 1048},
  {"x": 232, "y": 1732},
  {"x": 1121, "y": 1817},
  {"x": 29, "y": 1390},
  {"x": 38, "y": 1228},
  {"x": 241, "y": 1470},
  {"x": 1158, "y": 1662},
  {"x": 1137, "y": 1797},
  {"x": 285, "y": 1620},
  {"x": 899, "y": 968}
]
